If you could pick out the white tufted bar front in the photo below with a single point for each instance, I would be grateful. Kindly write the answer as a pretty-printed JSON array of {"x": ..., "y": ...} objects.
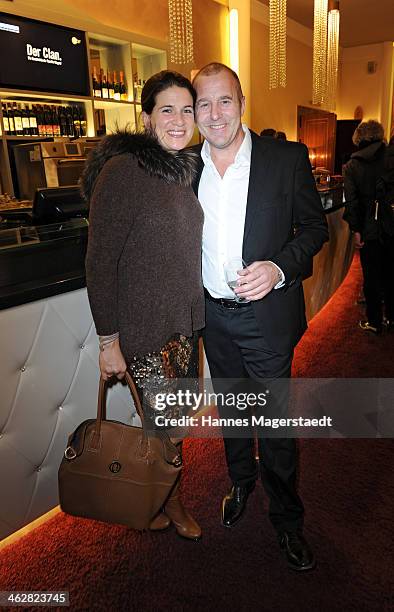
[{"x": 49, "y": 382}]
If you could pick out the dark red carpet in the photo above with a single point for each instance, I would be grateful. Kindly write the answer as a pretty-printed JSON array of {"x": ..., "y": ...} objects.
[{"x": 347, "y": 487}]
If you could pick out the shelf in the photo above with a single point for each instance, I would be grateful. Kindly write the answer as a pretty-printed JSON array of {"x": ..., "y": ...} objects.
[
  {"x": 37, "y": 138},
  {"x": 105, "y": 103},
  {"x": 16, "y": 94}
]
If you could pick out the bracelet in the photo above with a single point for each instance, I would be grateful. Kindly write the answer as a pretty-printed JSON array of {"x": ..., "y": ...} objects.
[{"x": 105, "y": 340}]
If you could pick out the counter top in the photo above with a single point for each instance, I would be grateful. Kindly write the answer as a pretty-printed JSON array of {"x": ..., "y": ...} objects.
[
  {"x": 44, "y": 260},
  {"x": 41, "y": 261}
]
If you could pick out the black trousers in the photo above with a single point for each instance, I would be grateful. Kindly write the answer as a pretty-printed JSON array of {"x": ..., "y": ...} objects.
[
  {"x": 236, "y": 349},
  {"x": 377, "y": 261}
]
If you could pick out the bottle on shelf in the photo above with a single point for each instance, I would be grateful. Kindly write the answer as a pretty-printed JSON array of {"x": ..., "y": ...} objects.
[
  {"x": 123, "y": 92},
  {"x": 77, "y": 122},
  {"x": 11, "y": 121},
  {"x": 32, "y": 120},
  {"x": 96, "y": 84},
  {"x": 6, "y": 123},
  {"x": 110, "y": 85},
  {"x": 82, "y": 120},
  {"x": 116, "y": 87},
  {"x": 104, "y": 84},
  {"x": 17, "y": 119},
  {"x": 40, "y": 121},
  {"x": 62, "y": 121},
  {"x": 55, "y": 122},
  {"x": 70, "y": 122},
  {"x": 47, "y": 120},
  {"x": 25, "y": 120}
]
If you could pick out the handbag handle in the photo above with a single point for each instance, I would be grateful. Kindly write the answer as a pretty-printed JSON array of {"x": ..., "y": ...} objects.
[{"x": 101, "y": 404}]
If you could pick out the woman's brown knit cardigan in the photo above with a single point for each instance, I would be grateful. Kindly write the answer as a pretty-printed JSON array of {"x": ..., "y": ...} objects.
[{"x": 143, "y": 264}]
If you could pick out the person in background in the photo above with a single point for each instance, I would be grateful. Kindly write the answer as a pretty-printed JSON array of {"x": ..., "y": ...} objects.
[
  {"x": 143, "y": 265},
  {"x": 281, "y": 136},
  {"x": 260, "y": 202},
  {"x": 362, "y": 213},
  {"x": 268, "y": 132}
]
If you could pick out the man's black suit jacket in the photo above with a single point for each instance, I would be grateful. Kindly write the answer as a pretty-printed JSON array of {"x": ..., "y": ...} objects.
[{"x": 285, "y": 223}]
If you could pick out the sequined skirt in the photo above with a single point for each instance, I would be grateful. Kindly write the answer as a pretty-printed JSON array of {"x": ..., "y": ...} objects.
[{"x": 172, "y": 370}]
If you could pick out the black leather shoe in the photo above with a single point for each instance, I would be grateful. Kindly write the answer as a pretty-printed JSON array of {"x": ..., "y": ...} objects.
[
  {"x": 234, "y": 504},
  {"x": 298, "y": 554}
]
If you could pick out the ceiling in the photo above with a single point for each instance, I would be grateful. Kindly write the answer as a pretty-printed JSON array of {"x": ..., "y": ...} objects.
[{"x": 362, "y": 22}]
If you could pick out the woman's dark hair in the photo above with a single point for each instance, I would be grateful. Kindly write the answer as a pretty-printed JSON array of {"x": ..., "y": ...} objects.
[{"x": 160, "y": 82}]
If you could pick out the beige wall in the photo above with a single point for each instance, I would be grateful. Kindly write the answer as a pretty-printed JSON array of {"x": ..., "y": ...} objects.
[
  {"x": 373, "y": 92},
  {"x": 356, "y": 86},
  {"x": 277, "y": 108}
]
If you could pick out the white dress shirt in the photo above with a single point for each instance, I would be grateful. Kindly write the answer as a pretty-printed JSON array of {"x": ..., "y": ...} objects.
[{"x": 224, "y": 203}]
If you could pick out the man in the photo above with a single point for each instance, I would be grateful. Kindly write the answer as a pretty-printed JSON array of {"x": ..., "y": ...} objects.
[
  {"x": 371, "y": 224},
  {"x": 260, "y": 201}
]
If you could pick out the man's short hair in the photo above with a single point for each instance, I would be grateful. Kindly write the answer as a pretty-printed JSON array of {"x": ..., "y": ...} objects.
[{"x": 215, "y": 68}]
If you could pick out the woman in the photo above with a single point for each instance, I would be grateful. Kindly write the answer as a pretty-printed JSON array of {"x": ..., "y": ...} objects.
[
  {"x": 365, "y": 216},
  {"x": 143, "y": 265}
]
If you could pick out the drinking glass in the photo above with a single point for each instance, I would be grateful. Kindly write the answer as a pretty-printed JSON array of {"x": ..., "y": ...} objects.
[{"x": 231, "y": 268}]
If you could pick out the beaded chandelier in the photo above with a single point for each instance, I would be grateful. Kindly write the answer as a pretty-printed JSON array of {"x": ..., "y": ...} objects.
[
  {"x": 319, "y": 51},
  {"x": 332, "y": 55},
  {"x": 277, "y": 47},
  {"x": 180, "y": 13}
]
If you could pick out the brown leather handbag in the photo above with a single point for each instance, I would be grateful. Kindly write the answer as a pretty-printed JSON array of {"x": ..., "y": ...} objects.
[{"x": 115, "y": 472}]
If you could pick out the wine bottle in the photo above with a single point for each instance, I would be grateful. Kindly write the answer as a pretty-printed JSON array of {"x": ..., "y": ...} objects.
[
  {"x": 116, "y": 87},
  {"x": 11, "y": 121},
  {"x": 82, "y": 121},
  {"x": 55, "y": 122},
  {"x": 18, "y": 119},
  {"x": 62, "y": 119},
  {"x": 123, "y": 93},
  {"x": 6, "y": 122},
  {"x": 32, "y": 120},
  {"x": 47, "y": 121},
  {"x": 110, "y": 85},
  {"x": 104, "y": 85},
  {"x": 96, "y": 84},
  {"x": 77, "y": 122},
  {"x": 38, "y": 113},
  {"x": 70, "y": 122},
  {"x": 25, "y": 120}
]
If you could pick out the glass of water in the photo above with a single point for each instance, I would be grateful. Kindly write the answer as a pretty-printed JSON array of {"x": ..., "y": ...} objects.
[{"x": 231, "y": 269}]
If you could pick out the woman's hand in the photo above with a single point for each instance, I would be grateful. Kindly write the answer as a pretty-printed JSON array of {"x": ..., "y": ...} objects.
[{"x": 111, "y": 361}]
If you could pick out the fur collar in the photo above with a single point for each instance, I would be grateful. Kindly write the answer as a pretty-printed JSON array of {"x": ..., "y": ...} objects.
[{"x": 178, "y": 168}]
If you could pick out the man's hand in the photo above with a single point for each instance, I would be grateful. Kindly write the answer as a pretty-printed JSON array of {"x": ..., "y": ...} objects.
[
  {"x": 258, "y": 279},
  {"x": 111, "y": 361},
  {"x": 358, "y": 243}
]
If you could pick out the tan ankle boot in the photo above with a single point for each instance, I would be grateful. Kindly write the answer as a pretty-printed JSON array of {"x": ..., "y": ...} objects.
[
  {"x": 185, "y": 524},
  {"x": 160, "y": 522}
]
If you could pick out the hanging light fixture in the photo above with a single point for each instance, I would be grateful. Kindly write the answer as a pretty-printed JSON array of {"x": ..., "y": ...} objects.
[
  {"x": 234, "y": 46},
  {"x": 332, "y": 54},
  {"x": 277, "y": 37},
  {"x": 319, "y": 51},
  {"x": 180, "y": 13}
]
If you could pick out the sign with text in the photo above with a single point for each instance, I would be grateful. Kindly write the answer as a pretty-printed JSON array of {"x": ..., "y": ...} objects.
[{"x": 41, "y": 56}]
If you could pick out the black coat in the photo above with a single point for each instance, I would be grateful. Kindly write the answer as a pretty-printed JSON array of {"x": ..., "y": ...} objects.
[
  {"x": 360, "y": 177},
  {"x": 285, "y": 223}
]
